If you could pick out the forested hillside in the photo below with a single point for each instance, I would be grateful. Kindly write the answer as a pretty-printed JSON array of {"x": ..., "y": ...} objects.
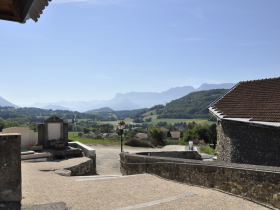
[{"x": 191, "y": 106}]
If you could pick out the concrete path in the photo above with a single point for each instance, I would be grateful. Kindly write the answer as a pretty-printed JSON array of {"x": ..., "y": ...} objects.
[{"x": 108, "y": 159}]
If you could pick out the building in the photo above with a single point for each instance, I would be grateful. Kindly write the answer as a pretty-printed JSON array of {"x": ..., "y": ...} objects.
[
  {"x": 248, "y": 123},
  {"x": 22, "y": 10},
  {"x": 175, "y": 135},
  {"x": 142, "y": 136}
]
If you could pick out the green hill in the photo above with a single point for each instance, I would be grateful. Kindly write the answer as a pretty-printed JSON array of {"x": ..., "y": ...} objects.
[{"x": 191, "y": 106}]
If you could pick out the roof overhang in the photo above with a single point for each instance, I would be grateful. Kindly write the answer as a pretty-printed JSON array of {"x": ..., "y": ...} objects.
[
  {"x": 22, "y": 10},
  {"x": 275, "y": 125}
]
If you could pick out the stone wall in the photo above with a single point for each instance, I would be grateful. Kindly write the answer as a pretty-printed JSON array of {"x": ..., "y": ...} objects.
[
  {"x": 242, "y": 143},
  {"x": 27, "y": 136},
  {"x": 175, "y": 154},
  {"x": 83, "y": 169},
  {"x": 10, "y": 167},
  {"x": 88, "y": 152},
  {"x": 259, "y": 183}
]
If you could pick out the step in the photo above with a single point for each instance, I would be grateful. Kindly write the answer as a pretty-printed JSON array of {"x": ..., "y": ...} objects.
[
  {"x": 36, "y": 155},
  {"x": 27, "y": 152}
]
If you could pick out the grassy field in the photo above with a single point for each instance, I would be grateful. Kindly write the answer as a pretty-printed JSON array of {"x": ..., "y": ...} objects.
[{"x": 74, "y": 137}]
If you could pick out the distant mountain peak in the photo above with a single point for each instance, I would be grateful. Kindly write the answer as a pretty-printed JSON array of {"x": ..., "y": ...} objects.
[{"x": 4, "y": 102}]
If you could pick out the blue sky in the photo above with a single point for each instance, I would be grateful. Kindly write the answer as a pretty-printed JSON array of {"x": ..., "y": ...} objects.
[{"x": 92, "y": 49}]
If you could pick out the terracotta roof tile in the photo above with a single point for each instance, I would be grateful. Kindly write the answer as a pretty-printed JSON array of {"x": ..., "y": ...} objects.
[{"x": 256, "y": 99}]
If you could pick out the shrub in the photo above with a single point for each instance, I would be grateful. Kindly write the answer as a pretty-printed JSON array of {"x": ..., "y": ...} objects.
[
  {"x": 158, "y": 136},
  {"x": 137, "y": 143},
  {"x": 208, "y": 150},
  {"x": 80, "y": 134}
]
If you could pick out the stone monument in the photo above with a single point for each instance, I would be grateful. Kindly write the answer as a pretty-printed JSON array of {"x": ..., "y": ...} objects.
[{"x": 53, "y": 132}]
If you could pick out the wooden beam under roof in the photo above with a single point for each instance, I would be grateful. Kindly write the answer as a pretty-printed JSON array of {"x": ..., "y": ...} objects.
[{"x": 22, "y": 10}]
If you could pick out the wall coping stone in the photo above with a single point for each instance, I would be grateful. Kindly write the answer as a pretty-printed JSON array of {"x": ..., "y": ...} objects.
[
  {"x": 238, "y": 166},
  {"x": 89, "y": 152}
]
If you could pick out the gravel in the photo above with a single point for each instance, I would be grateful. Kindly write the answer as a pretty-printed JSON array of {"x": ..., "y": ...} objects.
[{"x": 40, "y": 185}]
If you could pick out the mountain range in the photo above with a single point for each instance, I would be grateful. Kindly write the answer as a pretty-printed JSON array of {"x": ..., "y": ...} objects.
[
  {"x": 126, "y": 101},
  {"x": 4, "y": 102}
]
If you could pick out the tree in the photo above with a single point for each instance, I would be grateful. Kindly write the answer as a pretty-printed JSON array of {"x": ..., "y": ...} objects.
[
  {"x": 158, "y": 136},
  {"x": 190, "y": 135},
  {"x": 87, "y": 130},
  {"x": 33, "y": 126}
]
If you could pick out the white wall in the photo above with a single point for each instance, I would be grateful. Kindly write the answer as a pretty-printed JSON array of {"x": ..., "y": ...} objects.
[
  {"x": 54, "y": 131},
  {"x": 27, "y": 136}
]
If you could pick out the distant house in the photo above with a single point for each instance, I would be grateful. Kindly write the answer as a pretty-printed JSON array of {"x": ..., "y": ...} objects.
[
  {"x": 248, "y": 123},
  {"x": 109, "y": 135},
  {"x": 95, "y": 134},
  {"x": 175, "y": 135},
  {"x": 142, "y": 136},
  {"x": 113, "y": 134}
]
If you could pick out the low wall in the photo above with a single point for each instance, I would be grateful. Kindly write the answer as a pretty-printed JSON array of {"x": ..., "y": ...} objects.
[
  {"x": 27, "y": 136},
  {"x": 259, "y": 183},
  {"x": 82, "y": 169},
  {"x": 175, "y": 154},
  {"x": 10, "y": 167},
  {"x": 88, "y": 152}
]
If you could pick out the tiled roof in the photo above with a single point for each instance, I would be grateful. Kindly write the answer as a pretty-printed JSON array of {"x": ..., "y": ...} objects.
[
  {"x": 256, "y": 99},
  {"x": 142, "y": 135},
  {"x": 175, "y": 134},
  {"x": 22, "y": 10}
]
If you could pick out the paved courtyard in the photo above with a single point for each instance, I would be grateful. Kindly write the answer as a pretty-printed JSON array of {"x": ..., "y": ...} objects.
[{"x": 41, "y": 185}]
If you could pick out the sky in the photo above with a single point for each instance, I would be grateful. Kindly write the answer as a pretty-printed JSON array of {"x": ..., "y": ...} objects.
[{"x": 83, "y": 50}]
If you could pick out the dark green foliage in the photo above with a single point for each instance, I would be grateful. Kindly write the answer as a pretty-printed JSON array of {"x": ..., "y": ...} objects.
[
  {"x": 158, "y": 136},
  {"x": 203, "y": 131},
  {"x": 137, "y": 143},
  {"x": 138, "y": 114},
  {"x": 106, "y": 128},
  {"x": 138, "y": 120},
  {"x": 148, "y": 119},
  {"x": 156, "y": 107},
  {"x": 191, "y": 106},
  {"x": 87, "y": 130}
]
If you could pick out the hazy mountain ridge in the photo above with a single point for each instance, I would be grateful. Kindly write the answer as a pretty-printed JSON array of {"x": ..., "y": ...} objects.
[
  {"x": 131, "y": 100},
  {"x": 4, "y": 102},
  {"x": 56, "y": 107}
]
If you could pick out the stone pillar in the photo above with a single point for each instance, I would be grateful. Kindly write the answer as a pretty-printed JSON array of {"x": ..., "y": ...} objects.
[
  {"x": 10, "y": 167},
  {"x": 65, "y": 133},
  {"x": 41, "y": 133}
]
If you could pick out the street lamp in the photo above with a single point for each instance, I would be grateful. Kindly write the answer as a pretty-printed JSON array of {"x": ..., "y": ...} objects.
[{"x": 121, "y": 126}]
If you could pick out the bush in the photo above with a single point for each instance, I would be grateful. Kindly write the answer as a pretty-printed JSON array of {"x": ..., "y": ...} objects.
[
  {"x": 158, "y": 136},
  {"x": 80, "y": 134},
  {"x": 137, "y": 143},
  {"x": 208, "y": 150},
  {"x": 172, "y": 142}
]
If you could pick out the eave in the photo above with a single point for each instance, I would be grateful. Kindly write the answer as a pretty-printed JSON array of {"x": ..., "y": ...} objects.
[{"x": 22, "y": 10}]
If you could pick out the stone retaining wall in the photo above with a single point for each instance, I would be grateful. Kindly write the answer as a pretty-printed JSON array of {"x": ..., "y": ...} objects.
[
  {"x": 82, "y": 169},
  {"x": 175, "y": 154},
  {"x": 88, "y": 152},
  {"x": 259, "y": 183},
  {"x": 10, "y": 167}
]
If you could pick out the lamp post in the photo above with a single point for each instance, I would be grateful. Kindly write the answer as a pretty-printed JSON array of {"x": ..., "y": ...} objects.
[{"x": 121, "y": 126}]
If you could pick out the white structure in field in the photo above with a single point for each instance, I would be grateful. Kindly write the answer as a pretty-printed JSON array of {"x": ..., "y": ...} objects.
[{"x": 27, "y": 136}]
